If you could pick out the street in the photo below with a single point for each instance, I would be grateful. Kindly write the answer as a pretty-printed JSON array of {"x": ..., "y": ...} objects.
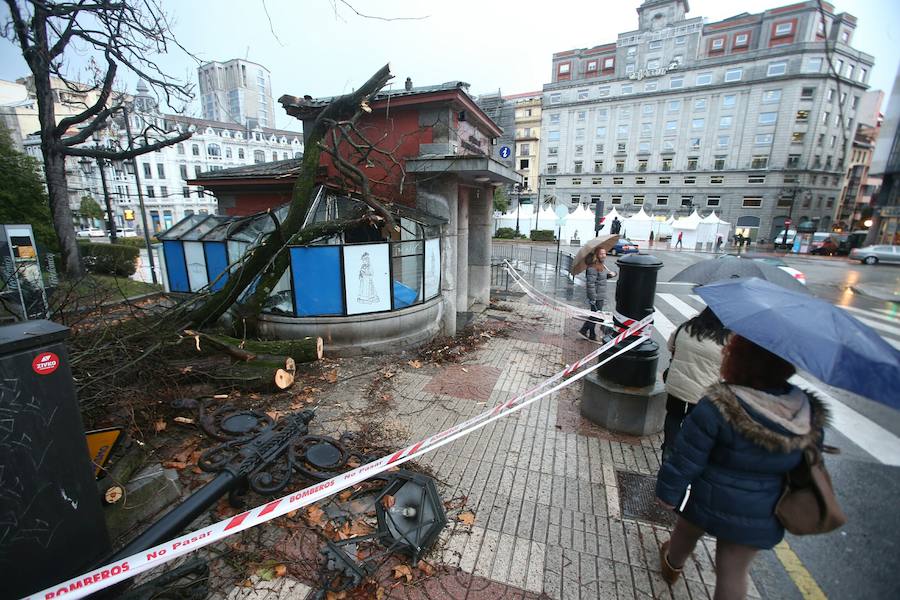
[{"x": 859, "y": 560}]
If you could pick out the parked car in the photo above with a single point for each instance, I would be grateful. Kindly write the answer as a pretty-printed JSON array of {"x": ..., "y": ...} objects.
[
  {"x": 624, "y": 246},
  {"x": 126, "y": 233},
  {"x": 775, "y": 262},
  {"x": 90, "y": 232},
  {"x": 824, "y": 243},
  {"x": 780, "y": 241},
  {"x": 872, "y": 255}
]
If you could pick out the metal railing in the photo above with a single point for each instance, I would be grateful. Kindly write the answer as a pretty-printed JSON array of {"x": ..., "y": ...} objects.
[{"x": 528, "y": 258}]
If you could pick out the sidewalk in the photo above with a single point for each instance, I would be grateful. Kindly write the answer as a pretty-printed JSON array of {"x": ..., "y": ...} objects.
[{"x": 548, "y": 489}]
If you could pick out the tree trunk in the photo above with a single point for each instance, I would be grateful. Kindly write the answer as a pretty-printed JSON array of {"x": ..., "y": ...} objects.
[
  {"x": 304, "y": 350},
  {"x": 268, "y": 261},
  {"x": 58, "y": 192}
]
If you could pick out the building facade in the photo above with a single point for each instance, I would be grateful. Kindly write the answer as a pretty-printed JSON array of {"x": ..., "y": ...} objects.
[
  {"x": 886, "y": 164},
  {"x": 163, "y": 175},
  {"x": 499, "y": 109},
  {"x": 858, "y": 186},
  {"x": 752, "y": 116},
  {"x": 236, "y": 91},
  {"x": 527, "y": 143}
]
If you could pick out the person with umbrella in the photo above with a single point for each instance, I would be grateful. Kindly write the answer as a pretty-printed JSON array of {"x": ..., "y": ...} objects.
[
  {"x": 736, "y": 447},
  {"x": 595, "y": 277}
]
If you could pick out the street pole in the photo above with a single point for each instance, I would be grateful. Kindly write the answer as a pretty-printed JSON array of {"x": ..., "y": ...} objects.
[
  {"x": 109, "y": 213},
  {"x": 137, "y": 180},
  {"x": 789, "y": 219},
  {"x": 518, "y": 207}
]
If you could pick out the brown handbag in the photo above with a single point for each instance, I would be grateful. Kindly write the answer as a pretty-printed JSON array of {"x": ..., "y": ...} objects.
[{"x": 808, "y": 504}]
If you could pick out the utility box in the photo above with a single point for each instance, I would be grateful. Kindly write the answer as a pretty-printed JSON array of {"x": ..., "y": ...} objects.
[
  {"x": 22, "y": 283},
  {"x": 51, "y": 520}
]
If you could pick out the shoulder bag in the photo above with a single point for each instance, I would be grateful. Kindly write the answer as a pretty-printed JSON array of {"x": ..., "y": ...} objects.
[{"x": 808, "y": 505}]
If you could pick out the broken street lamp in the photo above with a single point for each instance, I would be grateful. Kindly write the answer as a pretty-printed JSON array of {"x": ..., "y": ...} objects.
[{"x": 413, "y": 519}]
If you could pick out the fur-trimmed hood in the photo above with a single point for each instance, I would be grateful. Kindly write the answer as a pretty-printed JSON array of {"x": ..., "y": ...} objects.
[{"x": 734, "y": 413}]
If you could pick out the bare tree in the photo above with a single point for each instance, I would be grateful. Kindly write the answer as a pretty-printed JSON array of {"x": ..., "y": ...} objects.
[{"x": 127, "y": 34}]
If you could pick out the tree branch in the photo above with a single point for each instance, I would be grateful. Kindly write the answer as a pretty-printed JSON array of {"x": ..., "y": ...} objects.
[
  {"x": 124, "y": 154},
  {"x": 94, "y": 109}
]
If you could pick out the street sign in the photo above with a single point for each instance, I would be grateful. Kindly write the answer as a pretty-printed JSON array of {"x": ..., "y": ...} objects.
[{"x": 505, "y": 152}]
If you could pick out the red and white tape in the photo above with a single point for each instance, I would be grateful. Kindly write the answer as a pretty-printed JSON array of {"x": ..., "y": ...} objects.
[
  {"x": 116, "y": 572},
  {"x": 582, "y": 314}
]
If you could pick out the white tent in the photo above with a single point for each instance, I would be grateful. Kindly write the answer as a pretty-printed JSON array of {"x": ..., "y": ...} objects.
[
  {"x": 687, "y": 227},
  {"x": 710, "y": 228},
  {"x": 579, "y": 226},
  {"x": 546, "y": 219},
  {"x": 662, "y": 227},
  {"x": 638, "y": 226}
]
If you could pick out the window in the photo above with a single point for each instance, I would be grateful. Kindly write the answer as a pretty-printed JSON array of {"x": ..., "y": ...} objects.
[
  {"x": 524, "y": 163},
  {"x": 240, "y": 153},
  {"x": 228, "y": 152},
  {"x": 564, "y": 68},
  {"x": 599, "y": 148},
  {"x": 579, "y": 133},
  {"x": 667, "y": 164},
  {"x": 591, "y": 66},
  {"x": 861, "y": 77},
  {"x": 582, "y": 95},
  {"x": 717, "y": 44},
  {"x": 180, "y": 148},
  {"x": 596, "y": 180},
  {"x": 807, "y": 93},
  {"x": 554, "y": 119},
  {"x": 756, "y": 179},
  {"x": 581, "y": 116},
  {"x": 785, "y": 202},
  {"x": 813, "y": 65},
  {"x": 183, "y": 169},
  {"x": 148, "y": 171},
  {"x": 640, "y": 180},
  {"x": 759, "y": 161},
  {"x": 595, "y": 199},
  {"x": 185, "y": 192},
  {"x": 551, "y": 168},
  {"x": 662, "y": 200},
  {"x": 602, "y": 114},
  {"x": 839, "y": 66},
  {"x": 575, "y": 199},
  {"x": 622, "y": 131},
  {"x": 552, "y": 150},
  {"x": 734, "y": 74},
  {"x": 690, "y": 180},
  {"x": 643, "y": 147},
  {"x": 555, "y": 98},
  {"x": 646, "y": 129},
  {"x": 656, "y": 44},
  {"x": 681, "y": 39},
  {"x": 697, "y": 123},
  {"x": 618, "y": 180},
  {"x": 151, "y": 193},
  {"x": 741, "y": 40},
  {"x": 163, "y": 191},
  {"x": 638, "y": 200},
  {"x": 642, "y": 165},
  {"x": 825, "y": 116},
  {"x": 195, "y": 149},
  {"x": 832, "y": 142},
  {"x": 776, "y": 68},
  {"x": 609, "y": 63},
  {"x": 704, "y": 78},
  {"x": 692, "y": 163},
  {"x": 802, "y": 116},
  {"x": 855, "y": 103},
  {"x": 674, "y": 106},
  {"x": 793, "y": 161},
  {"x": 771, "y": 96},
  {"x": 524, "y": 149},
  {"x": 629, "y": 68},
  {"x": 550, "y": 181},
  {"x": 729, "y": 100},
  {"x": 700, "y": 104},
  {"x": 648, "y": 109},
  {"x": 751, "y": 202},
  {"x": 719, "y": 163},
  {"x": 598, "y": 166},
  {"x": 687, "y": 201},
  {"x": 620, "y": 147},
  {"x": 712, "y": 200},
  {"x": 783, "y": 28},
  {"x": 579, "y": 166},
  {"x": 676, "y": 82},
  {"x": 620, "y": 166},
  {"x": 671, "y": 125},
  {"x": 668, "y": 146},
  {"x": 716, "y": 180},
  {"x": 665, "y": 180},
  {"x": 763, "y": 139},
  {"x": 651, "y": 86},
  {"x": 694, "y": 144},
  {"x": 616, "y": 200},
  {"x": 653, "y": 63},
  {"x": 161, "y": 170},
  {"x": 259, "y": 156},
  {"x": 600, "y": 132},
  {"x": 627, "y": 89},
  {"x": 725, "y": 122},
  {"x": 553, "y": 136},
  {"x": 829, "y": 94},
  {"x": 767, "y": 118},
  {"x": 843, "y": 98},
  {"x": 196, "y": 170},
  {"x": 576, "y": 181},
  {"x": 722, "y": 141}
]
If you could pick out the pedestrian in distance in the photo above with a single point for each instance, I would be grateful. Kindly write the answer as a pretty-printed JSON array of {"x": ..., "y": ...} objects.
[
  {"x": 734, "y": 451},
  {"x": 651, "y": 238},
  {"x": 678, "y": 243},
  {"x": 719, "y": 241},
  {"x": 696, "y": 349},
  {"x": 595, "y": 277},
  {"x": 615, "y": 226}
]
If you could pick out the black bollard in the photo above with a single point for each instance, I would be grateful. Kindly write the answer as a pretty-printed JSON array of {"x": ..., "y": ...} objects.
[
  {"x": 635, "y": 292},
  {"x": 624, "y": 395}
]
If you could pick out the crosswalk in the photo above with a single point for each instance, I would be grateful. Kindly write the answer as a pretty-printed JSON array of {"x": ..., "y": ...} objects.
[{"x": 673, "y": 309}]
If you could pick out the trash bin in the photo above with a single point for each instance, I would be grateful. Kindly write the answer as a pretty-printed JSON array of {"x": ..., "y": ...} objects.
[{"x": 51, "y": 519}]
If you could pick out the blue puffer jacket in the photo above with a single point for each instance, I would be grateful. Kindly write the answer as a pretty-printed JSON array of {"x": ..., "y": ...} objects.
[{"x": 734, "y": 459}]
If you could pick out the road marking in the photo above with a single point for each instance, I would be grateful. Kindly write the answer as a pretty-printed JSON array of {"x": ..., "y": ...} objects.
[
  {"x": 883, "y": 445},
  {"x": 801, "y": 577},
  {"x": 865, "y": 433},
  {"x": 697, "y": 298},
  {"x": 663, "y": 325},
  {"x": 869, "y": 320}
]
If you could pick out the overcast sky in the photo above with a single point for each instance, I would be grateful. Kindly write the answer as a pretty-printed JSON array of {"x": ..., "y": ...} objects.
[{"x": 321, "y": 47}]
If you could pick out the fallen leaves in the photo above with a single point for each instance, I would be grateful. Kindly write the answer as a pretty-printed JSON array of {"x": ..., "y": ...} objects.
[
  {"x": 330, "y": 376},
  {"x": 415, "y": 364},
  {"x": 403, "y": 572},
  {"x": 388, "y": 501},
  {"x": 426, "y": 568},
  {"x": 467, "y": 518},
  {"x": 159, "y": 425},
  {"x": 315, "y": 515}
]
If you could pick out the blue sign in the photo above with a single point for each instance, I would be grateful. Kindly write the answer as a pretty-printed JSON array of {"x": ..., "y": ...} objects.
[{"x": 505, "y": 151}]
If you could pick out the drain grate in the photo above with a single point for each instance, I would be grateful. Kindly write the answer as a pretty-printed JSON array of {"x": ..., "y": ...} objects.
[{"x": 637, "y": 498}]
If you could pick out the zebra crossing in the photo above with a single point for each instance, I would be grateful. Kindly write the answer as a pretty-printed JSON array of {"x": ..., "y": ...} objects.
[{"x": 673, "y": 309}]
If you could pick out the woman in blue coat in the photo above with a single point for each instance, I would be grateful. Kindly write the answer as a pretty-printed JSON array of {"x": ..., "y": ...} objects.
[{"x": 728, "y": 465}]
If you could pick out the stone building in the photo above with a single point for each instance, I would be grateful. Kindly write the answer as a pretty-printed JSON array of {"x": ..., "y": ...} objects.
[
  {"x": 886, "y": 164},
  {"x": 528, "y": 142},
  {"x": 236, "y": 91},
  {"x": 500, "y": 110},
  {"x": 752, "y": 116},
  {"x": 854, "y": 207}
]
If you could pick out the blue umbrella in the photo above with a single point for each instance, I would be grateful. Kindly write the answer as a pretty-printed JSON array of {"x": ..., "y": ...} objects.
[{"x": 811, "y": 334}]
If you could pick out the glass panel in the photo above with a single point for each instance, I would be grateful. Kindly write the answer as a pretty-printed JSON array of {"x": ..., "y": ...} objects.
[
  {"x": 280, "y": 301},
  {"x": 408, "y": 265}
]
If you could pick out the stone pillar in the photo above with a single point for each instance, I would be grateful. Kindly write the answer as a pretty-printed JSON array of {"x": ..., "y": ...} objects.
[
  {"x": 462, "y": 249},
  {"x": 439, "y": 197},
  {"x": 481, "y": 210}
]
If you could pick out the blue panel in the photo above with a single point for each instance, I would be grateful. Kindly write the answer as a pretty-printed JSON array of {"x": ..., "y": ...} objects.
[
  {"x": 175, "y": 266},
  {"x": 216, "y": 263},
  {"x": 316, "y": 274},
  {"x": 403, "y": 295}
]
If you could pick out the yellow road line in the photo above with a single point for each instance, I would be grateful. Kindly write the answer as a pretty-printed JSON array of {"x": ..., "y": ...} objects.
[{"x": 802, "y": 578}]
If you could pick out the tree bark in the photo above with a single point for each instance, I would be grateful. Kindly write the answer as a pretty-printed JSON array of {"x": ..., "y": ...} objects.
[{"x": 268, "y": 260}]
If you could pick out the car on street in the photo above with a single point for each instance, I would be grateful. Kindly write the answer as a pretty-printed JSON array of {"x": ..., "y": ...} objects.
[
  {"x": 624, "y": 246},
  {"x": 872, "y": 255},
  {"x": 775, "y": 262},
  {"x": 824, "y": 243},
  {"x": 90, "y": 232},
  {"x": 126, "y": 233},
  {"x": 784, "y": 241}
]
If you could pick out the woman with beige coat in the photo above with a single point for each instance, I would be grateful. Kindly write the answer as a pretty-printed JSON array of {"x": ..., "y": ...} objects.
[{"x": 696, "y": 348}]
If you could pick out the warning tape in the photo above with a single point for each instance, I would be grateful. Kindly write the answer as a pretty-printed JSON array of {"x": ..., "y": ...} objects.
[
  {"x": 584, "y": 314},
  {"x": 120, "y": 570}
]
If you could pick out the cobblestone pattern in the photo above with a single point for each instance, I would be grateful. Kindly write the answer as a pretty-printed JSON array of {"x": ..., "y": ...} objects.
[{"x": 542, "y": 482}]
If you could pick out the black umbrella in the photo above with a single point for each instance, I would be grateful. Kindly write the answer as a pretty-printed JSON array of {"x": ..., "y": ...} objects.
[{"x": 735, "y": 267}]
